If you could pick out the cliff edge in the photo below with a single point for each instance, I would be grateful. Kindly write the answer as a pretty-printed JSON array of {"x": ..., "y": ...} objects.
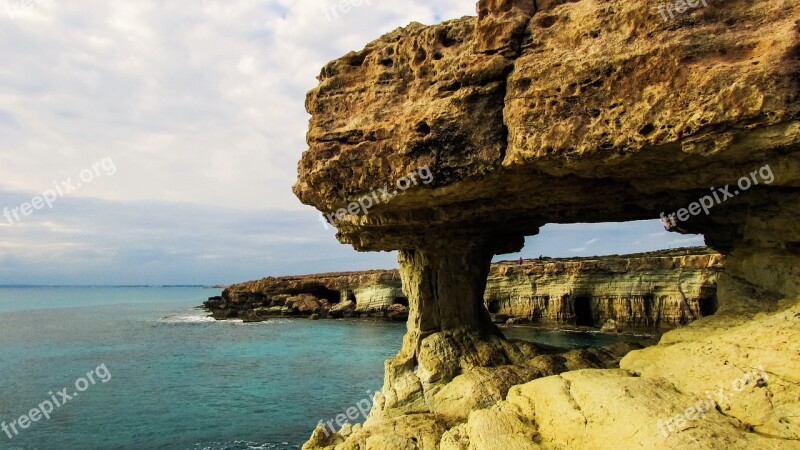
[
  {"x": 653, "y": 291},
  {"x": 548, "y": 111}
]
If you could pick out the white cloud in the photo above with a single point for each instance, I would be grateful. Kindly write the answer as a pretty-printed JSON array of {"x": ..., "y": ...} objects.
[{"x": 199, "y": 102}]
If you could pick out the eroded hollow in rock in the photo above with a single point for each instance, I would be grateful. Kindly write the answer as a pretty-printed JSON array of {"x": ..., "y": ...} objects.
[
  {"x": 324, "y": 293},
  {"x": 709, "y": 305},
  {"x": 583, "y": 312},
  {"x": 401, "y": 301},
  {"x": 348, "y": 296}
]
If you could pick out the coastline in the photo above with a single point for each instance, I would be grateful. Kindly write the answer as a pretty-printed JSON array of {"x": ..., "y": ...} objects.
[{"x": 646, "y": 293}]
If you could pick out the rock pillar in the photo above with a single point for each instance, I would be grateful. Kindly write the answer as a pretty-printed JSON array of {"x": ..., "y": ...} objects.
[
  {"x": 449, "y": 328},
  {"x": 445, "y": 288}
]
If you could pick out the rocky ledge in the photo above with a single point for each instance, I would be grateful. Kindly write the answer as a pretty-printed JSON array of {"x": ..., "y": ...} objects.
[
  {"x": 376, "y": 294},
  {"x": 650, "y": 290},
  {"x": 556, "y": 112},
  {"x": 644, "y": 291}
]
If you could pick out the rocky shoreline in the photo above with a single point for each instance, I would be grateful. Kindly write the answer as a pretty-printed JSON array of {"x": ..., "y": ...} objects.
[{"x": 648, "y": 291}]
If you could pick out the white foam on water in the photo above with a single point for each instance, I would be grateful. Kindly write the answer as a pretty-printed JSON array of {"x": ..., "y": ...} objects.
[
  {"x": 191, "y": 317},
  {"x": 266, "y": 322},
  {"x": 194, "y": 317}
]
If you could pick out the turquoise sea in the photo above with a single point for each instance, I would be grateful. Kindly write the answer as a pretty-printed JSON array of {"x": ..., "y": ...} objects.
[{"x": 175, "y": 379}]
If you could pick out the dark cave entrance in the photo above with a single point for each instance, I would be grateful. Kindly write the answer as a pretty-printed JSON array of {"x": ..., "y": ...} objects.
[
  {"x": 583, "y": 312},
  {"x": 649, "y": 301},
  {"x": 709, "y": 304},
  {"x": 324, "y": 293},
  {"x": 400, "y": 300},
  {"x": 494, "y": 306}
]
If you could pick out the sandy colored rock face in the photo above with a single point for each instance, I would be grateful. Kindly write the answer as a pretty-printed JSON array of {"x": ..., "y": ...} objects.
[
  {"x": 664, "y": 289},
  {"x": 658, "y": 290},
  {"x": 585, "y": 111},
  {"x": 376, "y": 293}
]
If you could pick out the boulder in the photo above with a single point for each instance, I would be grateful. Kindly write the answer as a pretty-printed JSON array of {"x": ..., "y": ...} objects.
[
  {"x": 304, "y": 304},
  {"x": 344, "y": 309},
  {"x": 397, "y": 313}
]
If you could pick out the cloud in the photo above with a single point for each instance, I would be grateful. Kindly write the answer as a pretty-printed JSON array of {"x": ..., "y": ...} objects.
[
  {"x": 200, "y": 104},
  {"x": 196, "y": 101},
  {"x": 90, "y": 241}
]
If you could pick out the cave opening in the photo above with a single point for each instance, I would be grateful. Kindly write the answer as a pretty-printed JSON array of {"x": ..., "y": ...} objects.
[
  {"x": 400, "y": 300},
  {"x": 709, "y": 305},
  {"x": 324, "y": 293},
  {"x": 583, "y": 312},
  {"x": 494, "y": 306},
  {"x": 649, "y": 301}
]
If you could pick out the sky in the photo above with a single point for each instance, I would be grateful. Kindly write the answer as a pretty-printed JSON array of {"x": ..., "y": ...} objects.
[{"x": 166, "y": 135}]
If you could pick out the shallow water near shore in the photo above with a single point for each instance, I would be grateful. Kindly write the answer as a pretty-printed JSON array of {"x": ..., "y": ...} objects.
[
  {"x": 577, "y": 337},
  {"x": 179, "y": 380}
]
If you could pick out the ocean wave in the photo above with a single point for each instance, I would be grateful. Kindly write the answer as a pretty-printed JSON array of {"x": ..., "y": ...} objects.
[
  {"x": 266, "y": 322},
  {"x": 196, "y": 317},
  {"x": 187, "y": 318}
]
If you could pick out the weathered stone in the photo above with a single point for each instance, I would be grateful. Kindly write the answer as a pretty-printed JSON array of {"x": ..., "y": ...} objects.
[
  {"x": 584, "y": 111},
  {"x": 655, "y": 290},
  {"x": 304, "y": 304},
  {"x": 660, "y": 289},
  {"x": 343, "y": 309},
  {"x": 397, "y": 313}
]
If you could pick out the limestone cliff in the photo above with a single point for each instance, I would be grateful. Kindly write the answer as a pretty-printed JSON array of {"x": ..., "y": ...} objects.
[
  {"x": 376, "y": 293},
  {"x": 549, "y": 111},
  {"x": 655, "y": 290},
  {"x": 662, "y": 290}
]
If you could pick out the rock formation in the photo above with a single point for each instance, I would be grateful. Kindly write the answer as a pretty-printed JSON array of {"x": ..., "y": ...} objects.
[
  {"x": 545, "y": 111},
  {"x": 376, "y": 293},
  {"x": 654, "y": 290}
]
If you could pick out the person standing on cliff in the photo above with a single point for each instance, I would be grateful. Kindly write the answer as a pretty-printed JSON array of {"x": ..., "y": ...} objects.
[{"x": 521, "y": 260}]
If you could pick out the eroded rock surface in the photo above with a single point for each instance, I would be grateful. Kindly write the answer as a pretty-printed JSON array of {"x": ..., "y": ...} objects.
[
  {"x": 376, "y": 293},
  {"x": 563, "y": 112},
  {"x": 651, "y": 291},
  {"x": 657, "y": 290}
]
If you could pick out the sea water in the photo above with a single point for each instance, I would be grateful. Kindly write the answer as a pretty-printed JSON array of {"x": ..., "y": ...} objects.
[{"x": 176, "y": 378}]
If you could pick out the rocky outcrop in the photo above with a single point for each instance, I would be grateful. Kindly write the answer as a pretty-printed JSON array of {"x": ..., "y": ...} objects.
[
  {"x": 657, "y": 290},
  {"x": 653, "y": 290},
  {"x": 375, "y": 294},
  {"x": 540, "y": 112}
]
